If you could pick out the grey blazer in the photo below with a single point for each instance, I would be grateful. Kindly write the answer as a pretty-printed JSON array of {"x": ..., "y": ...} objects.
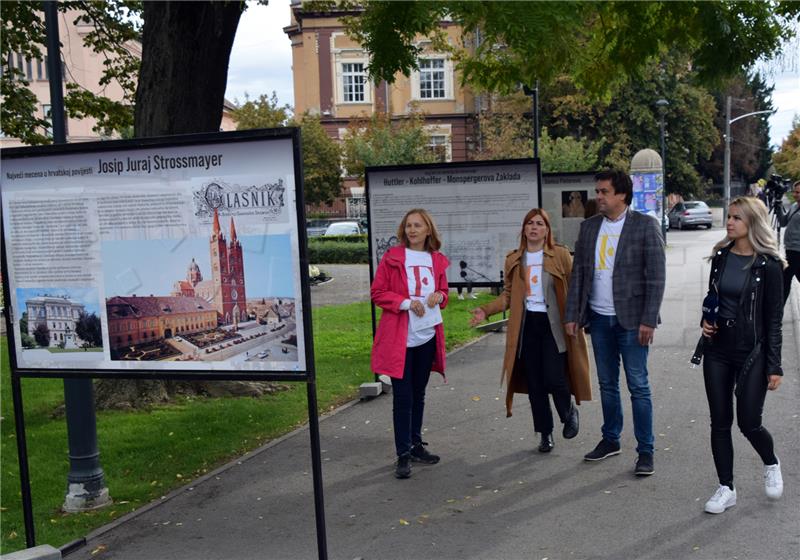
[{"x": 639, "y": 272}]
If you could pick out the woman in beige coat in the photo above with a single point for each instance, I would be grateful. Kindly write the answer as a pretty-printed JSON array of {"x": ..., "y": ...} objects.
[{"x": 540, "y": 359}]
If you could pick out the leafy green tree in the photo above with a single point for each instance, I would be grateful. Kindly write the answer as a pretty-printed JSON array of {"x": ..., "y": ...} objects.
[
  {"x": 598, "y": 44},
  {"x": 42, "y": 335},
  {"x": 24, "y": 35},
  {"x": 23, "y": 323},
  {"x": 506, "y": 133},
  {"x": 322, "y": 172},
  {"x": 787, "y": 160},
  {"x": 751, "y": 153},
  {"x": 629, "y": 120},
  {"x": 87, "y": 327},
  {"x": 264, "y": 112},
  {"x": 379, "y": 140}
]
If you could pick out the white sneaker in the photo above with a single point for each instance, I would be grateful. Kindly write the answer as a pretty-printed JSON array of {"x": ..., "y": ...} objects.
[
  {"x": 722, "y": 499},
  {"x": 773, "y": 481},
  {"x": 460, "y": 296},
  {"x": 473, "y": 296}
]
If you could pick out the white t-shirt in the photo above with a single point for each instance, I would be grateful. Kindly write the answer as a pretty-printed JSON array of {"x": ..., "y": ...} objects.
[
  {"x": 601, "y": 298},
  {"x": 533, "y": 272},
  {"x": 421, "y": 284}
]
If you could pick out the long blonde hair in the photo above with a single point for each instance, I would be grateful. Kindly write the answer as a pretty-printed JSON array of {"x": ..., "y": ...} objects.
[{"x": 759, "y": 232}]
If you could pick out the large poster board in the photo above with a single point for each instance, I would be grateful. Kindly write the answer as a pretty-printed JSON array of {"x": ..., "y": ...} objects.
[
  {"x": 163, "y": 256},
  {"x": 565, "y": 196},
  {"x": 478, "y": 208}
]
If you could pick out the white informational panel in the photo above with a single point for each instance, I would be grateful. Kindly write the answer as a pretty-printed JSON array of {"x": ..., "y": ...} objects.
[
  {"x": 178, "y": 256},
  {"x": 478, "y": 208},
  {"x": 565, "y": 197}
]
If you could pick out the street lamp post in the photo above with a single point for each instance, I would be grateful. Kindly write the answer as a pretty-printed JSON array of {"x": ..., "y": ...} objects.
[
  {"x": 727, "y": 170},
  {"x": 662, "y": 105}
]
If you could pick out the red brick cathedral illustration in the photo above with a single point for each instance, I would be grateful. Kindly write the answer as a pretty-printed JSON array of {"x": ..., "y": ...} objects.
[
  {"x": 227, "y": 272},
  {"x": 226, "y": 289}
]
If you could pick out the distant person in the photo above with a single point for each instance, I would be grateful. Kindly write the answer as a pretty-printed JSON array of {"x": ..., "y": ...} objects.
[
  {"x": 616, "y": 289},
  {"x": 742, "y": 355},
  {"x": 791, "y": 240},
  {"x": 469, "y": 292},
  {"x": 410, "y": 286},
  {"x": 540, "y": 359}
]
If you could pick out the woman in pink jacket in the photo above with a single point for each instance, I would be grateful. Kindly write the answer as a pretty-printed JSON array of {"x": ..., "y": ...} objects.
[{"x": 410, "y": 287}]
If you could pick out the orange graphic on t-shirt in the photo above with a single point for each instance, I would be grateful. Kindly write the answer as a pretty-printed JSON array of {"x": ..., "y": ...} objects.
[{"x": 534, "y": 278}]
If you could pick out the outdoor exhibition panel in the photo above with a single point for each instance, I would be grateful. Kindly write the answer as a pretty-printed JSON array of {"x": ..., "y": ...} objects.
[
  {"x": 171, "y": 257},
  {"x": 477, "y": 206},
  {"x": 565, "y": 196}
]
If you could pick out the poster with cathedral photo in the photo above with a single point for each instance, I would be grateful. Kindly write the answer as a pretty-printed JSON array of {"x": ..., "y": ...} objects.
[{"x": 185, "y": 254}]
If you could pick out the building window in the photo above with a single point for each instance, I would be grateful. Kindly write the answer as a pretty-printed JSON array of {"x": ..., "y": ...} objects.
[
  {"x": 354, "y": 81},
  {"x": 439, "y": 145},
  {"x": 432, "y": 78}
]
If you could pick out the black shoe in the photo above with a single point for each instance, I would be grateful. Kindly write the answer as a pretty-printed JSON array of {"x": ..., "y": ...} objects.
[
  {"x": 403, "y": 467},
  {"x": 547, "y": 444},
  {"x": 644, "y": 465},
  {"x": 572, "y": 424},
  {"x": 420, "y": 455},
  {"x": 604, "y": 449}
]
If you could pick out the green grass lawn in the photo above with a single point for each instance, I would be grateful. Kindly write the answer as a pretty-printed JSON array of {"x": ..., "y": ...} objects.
[
  {"x": 146, "y": 454},
  {"x": 57, "y": 350}
]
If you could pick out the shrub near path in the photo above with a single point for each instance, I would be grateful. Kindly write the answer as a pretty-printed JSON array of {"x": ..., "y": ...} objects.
[{"x": 148, "y": 453}]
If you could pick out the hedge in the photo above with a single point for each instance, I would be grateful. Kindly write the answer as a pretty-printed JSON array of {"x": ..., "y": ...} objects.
[{"x": 337, "y": 251}]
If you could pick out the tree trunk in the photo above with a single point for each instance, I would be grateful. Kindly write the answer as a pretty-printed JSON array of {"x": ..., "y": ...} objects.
[{"x": 186, "y": 47}]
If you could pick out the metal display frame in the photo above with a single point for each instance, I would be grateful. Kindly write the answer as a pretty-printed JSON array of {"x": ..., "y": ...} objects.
[{"x": 308, "y": 375}]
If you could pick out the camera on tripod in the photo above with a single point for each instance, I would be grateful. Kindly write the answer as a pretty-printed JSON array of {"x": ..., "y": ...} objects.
[{"x": 776, "y": 187}]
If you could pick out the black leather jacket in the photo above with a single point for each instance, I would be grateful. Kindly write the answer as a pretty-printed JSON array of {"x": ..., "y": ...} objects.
[{"x": 760, "y": 311}]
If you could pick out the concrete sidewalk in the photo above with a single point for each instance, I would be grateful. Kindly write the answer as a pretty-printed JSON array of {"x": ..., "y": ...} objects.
[{"x": 493, "y": 496}]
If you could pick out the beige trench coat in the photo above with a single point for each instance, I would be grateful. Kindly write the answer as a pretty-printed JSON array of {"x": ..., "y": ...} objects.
[{"x": 557, "y": 263}]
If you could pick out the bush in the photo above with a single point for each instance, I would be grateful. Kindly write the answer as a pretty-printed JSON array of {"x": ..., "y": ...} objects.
[
  {"x": 353, "y": 238},
  {"x": 338, "y": 252}
]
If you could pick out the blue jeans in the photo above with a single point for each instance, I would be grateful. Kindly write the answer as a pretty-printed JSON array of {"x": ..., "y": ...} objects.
[{"x": 610, "y": 341}]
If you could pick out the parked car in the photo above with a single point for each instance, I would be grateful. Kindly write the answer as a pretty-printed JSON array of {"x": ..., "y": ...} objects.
[
  {"x": 692, "y": 213},
  {"x": 316, "y": 227},
  {"x": 263, "y": 355},
  {"x": 343, "y": 228}
]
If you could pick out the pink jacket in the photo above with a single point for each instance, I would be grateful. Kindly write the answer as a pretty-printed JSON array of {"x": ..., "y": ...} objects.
[{"x": 389, "y": 290}]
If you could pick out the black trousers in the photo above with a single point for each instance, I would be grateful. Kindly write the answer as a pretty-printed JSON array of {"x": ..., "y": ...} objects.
[
  {"x": 793, "y": 258},
  {"x": 408, "y": 396},
  {"x": 544, "y": 372},
  {"x": 721, "y": 365}
]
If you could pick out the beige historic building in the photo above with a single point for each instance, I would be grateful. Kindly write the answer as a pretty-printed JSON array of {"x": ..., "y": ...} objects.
[
  {"x": 81, "y": 66},
  {"x": 59, "y": 314},
  {"x": 330, "y": 80}
]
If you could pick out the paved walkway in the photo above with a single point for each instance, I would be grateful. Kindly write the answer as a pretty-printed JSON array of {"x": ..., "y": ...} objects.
[{"x": 493, "y": 496}]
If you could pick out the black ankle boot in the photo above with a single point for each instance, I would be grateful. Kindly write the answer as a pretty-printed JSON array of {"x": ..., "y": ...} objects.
[
  {"x": 572, "y": 424},
  {"x": 547, "y": 444},
  {"x": 403, "y": 467}
]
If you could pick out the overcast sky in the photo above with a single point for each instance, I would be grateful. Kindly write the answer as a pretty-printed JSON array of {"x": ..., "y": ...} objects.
[{"x": 262, "y": 62}]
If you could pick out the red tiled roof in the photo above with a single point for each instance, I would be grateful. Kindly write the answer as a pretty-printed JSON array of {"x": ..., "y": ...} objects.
[{"x": 152, "y": 306}]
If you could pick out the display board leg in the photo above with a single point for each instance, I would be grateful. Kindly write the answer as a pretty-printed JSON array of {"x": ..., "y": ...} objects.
[
  {"x": 316, "y": 465},
  {"x": 22, "y": 453}
]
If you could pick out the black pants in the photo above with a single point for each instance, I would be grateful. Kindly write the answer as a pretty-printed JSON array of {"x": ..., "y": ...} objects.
[
  {"x": 721, "y": 364},
  {"x": 793, "y": 258},
  {"x": 408, "y": 396},
  {"x": 544, "y": 372}
]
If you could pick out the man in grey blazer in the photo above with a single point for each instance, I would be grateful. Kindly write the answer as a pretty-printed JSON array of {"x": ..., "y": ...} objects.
[{"x": 617, "y": 285}]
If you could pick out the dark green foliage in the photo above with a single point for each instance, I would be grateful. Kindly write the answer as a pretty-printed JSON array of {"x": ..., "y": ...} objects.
[
  {"x": 88, "y": 328},
  {"x": 42, "y": 335},
  {"x": 337, "y": 252}
]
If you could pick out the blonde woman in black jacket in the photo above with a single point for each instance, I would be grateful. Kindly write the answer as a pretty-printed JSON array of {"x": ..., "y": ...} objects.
[{"x": 743, "y": 346}]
